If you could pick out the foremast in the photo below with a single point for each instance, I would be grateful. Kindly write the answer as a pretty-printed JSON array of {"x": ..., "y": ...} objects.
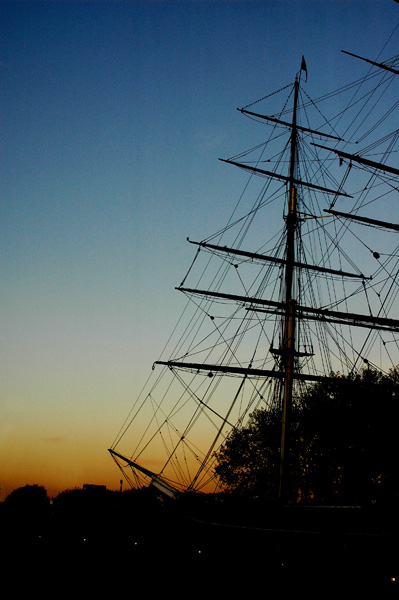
[
  {"x": 287, "y": 372},
  {"x": 289, "y": 325}
]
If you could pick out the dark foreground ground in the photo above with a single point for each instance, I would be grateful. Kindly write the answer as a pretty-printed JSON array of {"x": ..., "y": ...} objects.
[{"x": 121, "y": 545}]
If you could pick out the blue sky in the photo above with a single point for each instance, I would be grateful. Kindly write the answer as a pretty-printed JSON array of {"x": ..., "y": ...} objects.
[{"x": 113, "y": 116}]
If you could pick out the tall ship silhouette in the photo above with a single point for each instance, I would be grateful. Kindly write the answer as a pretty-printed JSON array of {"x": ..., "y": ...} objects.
[{"x": 298, "y": 289}]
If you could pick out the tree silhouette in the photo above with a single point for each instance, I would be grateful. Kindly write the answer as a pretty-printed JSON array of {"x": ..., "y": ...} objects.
[
  {"x": 26, "y": 512},
  {"x": 248, "y": 462},
  {"x": 29, "y": 497},
  {"x": 350, "y": 443},
  {"x": 343, "y": 445}
]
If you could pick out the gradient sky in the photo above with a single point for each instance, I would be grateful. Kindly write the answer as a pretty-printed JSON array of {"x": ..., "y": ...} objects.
[{"x": 113, "y": 115}]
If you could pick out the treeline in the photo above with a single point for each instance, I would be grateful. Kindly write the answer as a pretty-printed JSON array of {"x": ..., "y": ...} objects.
[{"x": 72, "y": 517}]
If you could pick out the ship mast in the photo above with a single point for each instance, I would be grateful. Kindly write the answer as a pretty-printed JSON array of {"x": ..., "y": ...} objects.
[{"x": 288, "y": 345}]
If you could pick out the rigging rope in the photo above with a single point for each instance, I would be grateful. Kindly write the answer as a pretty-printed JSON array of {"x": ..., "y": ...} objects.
[{"x": 269, "y": 95}]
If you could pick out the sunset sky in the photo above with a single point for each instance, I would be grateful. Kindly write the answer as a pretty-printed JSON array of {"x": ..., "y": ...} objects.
[{"x": 113, "y": 115}]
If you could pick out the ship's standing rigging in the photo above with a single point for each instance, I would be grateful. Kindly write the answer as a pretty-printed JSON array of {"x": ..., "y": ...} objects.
[{"x": 295, "y": 318}]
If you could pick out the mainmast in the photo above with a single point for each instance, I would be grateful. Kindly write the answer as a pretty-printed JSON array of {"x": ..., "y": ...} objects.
[{"x": 288, "y": 345}]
